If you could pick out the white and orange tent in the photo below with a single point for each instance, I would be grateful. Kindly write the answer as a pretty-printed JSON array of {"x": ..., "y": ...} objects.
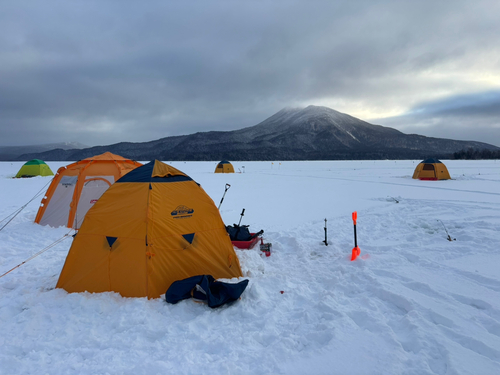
[{"x": 77, "y": 186}]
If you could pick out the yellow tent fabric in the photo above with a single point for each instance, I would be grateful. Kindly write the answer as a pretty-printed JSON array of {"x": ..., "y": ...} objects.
[
  {"x": 34, "y": 167},
  {"x": 224, "y": 167},
  {"x": 152, "y": 227},
  {"x": 77, "y": 186},
  {"x": 431, "y": 169}
]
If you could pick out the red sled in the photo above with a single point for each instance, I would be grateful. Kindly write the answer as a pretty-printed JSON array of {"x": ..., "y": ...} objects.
[{"x": 246, "y": 244}]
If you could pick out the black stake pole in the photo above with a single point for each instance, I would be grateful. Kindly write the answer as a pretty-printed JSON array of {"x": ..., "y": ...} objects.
[
  {"x": 241, "y": 217},
  {"x": 227, "y": 188},
  {"x": 355, "y": 237},
  {"x": 325, "y": 241}
]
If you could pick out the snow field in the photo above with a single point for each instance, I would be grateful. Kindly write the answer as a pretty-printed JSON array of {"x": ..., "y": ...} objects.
[{"x": 414, "y": 303}]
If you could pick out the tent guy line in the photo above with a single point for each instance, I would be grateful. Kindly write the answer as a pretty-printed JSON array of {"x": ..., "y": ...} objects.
[
  {"x": 15, "y": 213},
  {"x": 39, "y": 253}
]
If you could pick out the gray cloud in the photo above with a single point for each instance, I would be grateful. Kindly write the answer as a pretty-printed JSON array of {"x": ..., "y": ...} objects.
[
  {"x": 105, "y": 72},
  {"x": 465, "y": 117}
]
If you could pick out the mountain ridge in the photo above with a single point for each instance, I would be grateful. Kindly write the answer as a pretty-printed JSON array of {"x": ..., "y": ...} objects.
[
  {"x": 311, "y": 133},
  {"x": 11, "y": 152}
]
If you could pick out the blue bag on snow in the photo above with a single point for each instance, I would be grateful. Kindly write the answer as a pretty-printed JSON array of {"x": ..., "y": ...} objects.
[{"x": 205, "y": 288}]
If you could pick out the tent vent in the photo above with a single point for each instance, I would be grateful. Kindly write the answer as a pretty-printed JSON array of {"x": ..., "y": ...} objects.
[
  {"x": 189, "y": 237},
  {"x": 111, "y": 240}
]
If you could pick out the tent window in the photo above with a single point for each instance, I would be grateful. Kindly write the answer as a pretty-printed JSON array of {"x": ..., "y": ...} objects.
[
  {"x": 67, "y": 181},
  {"x": 428, "y": 167}
]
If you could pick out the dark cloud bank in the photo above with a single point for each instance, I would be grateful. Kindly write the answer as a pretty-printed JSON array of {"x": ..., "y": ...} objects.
[{"x": 104, "y": 72}]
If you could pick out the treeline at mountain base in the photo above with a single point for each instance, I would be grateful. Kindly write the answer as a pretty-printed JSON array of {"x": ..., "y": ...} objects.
[{"x": 474, "y": 154}]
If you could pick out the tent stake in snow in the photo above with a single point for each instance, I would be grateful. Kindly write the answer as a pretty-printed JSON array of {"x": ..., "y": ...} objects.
[
  {"x": 356, "y": 250},
  {"x": 449, "y": 237},
  {"x": 227, "y": 188},
  {"x": 325, "y": 241}
]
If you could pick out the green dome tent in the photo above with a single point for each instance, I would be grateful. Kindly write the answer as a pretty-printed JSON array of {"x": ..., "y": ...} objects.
[{"x": 34, "y": 167}]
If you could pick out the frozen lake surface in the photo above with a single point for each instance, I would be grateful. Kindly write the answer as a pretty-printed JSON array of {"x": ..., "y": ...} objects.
[{"x": 413, "y": 303}]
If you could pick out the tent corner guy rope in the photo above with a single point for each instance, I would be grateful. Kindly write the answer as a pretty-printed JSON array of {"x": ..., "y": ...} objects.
[
  {"x": 40, "y": 252},
  {"x": 15, "y": 213}
]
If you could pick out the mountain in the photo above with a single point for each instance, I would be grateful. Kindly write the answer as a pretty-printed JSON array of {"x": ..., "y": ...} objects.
[
  {"x": 13, "y": 152},
  {"x": 312, "y": 133}
]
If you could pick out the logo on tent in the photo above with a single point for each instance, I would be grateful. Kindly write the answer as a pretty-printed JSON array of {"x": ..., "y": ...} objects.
[
  {"x": 182, "y": 212},
  {"x": 92, "y": 201}
]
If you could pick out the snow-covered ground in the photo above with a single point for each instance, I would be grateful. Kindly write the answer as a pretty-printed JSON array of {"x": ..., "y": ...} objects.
[{"x": 414, "y": 303}]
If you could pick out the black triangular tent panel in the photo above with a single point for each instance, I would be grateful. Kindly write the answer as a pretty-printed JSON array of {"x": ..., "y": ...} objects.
[
  {"x": 111, "y": 240},
  {"x": 189, "y": 237}
]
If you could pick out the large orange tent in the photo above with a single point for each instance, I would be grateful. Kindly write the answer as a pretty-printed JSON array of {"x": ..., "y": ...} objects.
[
  {"x": 77, "y": 186},
  {"x": 431, "y": 169},
  {"x": 152, "y": 227},
  {"x": 224, "y": 167}
]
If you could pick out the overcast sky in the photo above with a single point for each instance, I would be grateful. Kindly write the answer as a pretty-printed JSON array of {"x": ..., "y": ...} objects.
[{"x": 102, "y": 72}]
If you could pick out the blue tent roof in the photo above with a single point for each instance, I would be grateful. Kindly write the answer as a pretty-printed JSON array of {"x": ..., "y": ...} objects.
[
  {"x": 430, "y": 161},
  {"x": 144, "y": 174}
]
